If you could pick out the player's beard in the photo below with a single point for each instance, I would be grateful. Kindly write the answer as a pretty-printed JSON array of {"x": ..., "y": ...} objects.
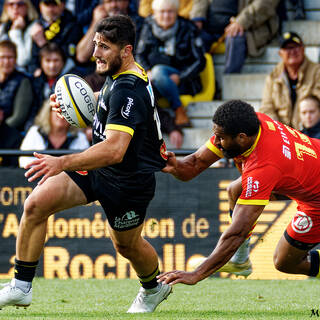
[
  {"x": 113, "y": 67},
  {"x": 232, "y": 152}
]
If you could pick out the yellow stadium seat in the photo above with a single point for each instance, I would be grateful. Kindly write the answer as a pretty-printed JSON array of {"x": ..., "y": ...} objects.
[{"x": 207, "y": 78}]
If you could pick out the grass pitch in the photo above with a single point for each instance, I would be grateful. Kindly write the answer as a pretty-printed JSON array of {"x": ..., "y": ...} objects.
[{"x": 212, "y": 298}]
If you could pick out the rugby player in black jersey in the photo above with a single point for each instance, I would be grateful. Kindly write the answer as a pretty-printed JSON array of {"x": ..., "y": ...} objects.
[{"x": 118, "y": 170}]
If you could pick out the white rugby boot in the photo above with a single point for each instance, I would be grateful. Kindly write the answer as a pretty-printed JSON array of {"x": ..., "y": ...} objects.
[
  {"x": 10, "y": 295},
  {"x": 147, "y": 302}
]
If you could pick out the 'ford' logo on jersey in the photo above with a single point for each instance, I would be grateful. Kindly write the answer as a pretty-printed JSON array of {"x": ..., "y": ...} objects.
[{"x": 125, "y": 110}]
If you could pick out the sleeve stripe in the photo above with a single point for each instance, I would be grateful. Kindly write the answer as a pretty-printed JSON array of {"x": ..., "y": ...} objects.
[
  {"x": 214, "y": 149},
  {"x": 253, "y": 201},
  {"x": 119, "y": 127}
]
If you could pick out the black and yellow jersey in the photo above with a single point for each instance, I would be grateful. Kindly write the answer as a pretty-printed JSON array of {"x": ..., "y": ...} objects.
[{"x": 126, "y": 103}]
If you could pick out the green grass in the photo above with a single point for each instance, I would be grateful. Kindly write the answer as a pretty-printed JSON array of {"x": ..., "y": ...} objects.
[{"x": 213, "y": 298}]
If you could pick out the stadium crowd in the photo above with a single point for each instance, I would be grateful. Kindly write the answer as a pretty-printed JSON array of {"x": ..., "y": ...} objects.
[{"x": 42, "y": 40}]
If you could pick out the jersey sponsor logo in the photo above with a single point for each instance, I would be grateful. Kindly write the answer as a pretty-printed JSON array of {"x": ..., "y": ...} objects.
[
  {"x": 252, "y": 186},
  {"x": 301, "y": 223},
  {"x": 163, "y": 151},
  {"x": 249, "y": 187},
  {"x": 255, "y": 186},
  {"x": 125, "y": 110},
  {"x": 129, "y": 219},
  {"x": 83, "y": 173}
]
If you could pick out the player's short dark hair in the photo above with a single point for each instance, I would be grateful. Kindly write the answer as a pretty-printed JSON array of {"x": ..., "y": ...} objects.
[
  {"x": 52, "y": 47},
  {"x": 236, "y": 116},
  {"x": 119, "y": 29}
]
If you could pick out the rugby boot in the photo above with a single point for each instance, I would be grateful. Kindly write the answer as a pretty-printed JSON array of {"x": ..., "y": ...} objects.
[
  {"x": 239, "y": 269},
  {"x": 10, "y": 295},
  {"x": 147, "y": 301}
]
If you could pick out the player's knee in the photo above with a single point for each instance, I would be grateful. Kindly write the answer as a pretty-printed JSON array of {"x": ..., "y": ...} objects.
[
  {"x": 32, "y": 210},
  {"x": 279, "y": 263},
  {"x": 124, "y": 250}
]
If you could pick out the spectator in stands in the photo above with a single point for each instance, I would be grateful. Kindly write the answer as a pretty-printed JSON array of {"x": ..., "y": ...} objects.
[
  {"x": 171, "y": 51},
  {"x": 309, "y": 110},
  {"x": 10, "y": 138},
  {"x": 51, "y": 132},
  {"x": 16, "y": 93},
  {"x": 80, "y": 9},
  {"x": 169, "y": 127},
  {"x": 58, "y": 25},
  {"x": 293, "y": 79},
  {"x": 107, "y": 8},
  {"x": 17, "y": 19},
  {"x": 53, "y": 65},
  {"x": 247, "y": 25},
  {"x": 195, "y": 10}
]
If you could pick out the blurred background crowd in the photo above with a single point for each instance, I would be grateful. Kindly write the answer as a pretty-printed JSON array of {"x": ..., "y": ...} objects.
[{"x": 178, "y": 43}]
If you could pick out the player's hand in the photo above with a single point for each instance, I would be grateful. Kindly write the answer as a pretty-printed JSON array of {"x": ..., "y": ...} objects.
[
  {"x": 176, "y": 276},
  {"x": 55, "y": 105},
  {"x": 171, "y": 163},
  {"x": 45, "y": 166}
]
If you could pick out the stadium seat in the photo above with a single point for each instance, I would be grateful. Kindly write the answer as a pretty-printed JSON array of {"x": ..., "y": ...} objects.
[{"x": 207, "y": 78}]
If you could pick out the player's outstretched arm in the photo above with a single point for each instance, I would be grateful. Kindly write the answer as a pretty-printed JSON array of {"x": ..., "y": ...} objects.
[
  {"x": 190, "y": 166},
  {"x": 244, "y": 218},
  {"x": 102, "y": 154}
]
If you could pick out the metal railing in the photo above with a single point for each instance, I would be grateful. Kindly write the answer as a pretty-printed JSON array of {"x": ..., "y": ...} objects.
[{"x": 11, "y": 152}]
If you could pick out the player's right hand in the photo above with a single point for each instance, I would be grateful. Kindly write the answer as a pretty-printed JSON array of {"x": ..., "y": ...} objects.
[{"x": 55, "y": 105}]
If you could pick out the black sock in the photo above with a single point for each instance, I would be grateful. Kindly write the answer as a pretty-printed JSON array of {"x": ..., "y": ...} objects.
[
  {"x": 314, "y": 261},
  {"x": 24, "y": 270},
  {"x": 150, "y": 281}
]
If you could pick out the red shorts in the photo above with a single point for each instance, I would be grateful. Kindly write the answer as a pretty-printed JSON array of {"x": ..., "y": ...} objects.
[{"x": 305, "y": 228}]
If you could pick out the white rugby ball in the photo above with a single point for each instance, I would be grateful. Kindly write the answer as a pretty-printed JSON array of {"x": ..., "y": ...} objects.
[{"x": 77, "y": 100}]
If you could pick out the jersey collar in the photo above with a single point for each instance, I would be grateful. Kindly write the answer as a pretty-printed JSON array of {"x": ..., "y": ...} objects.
[
  {"x": 249, "y": 151},
  {"x": 143, "y": 76}
]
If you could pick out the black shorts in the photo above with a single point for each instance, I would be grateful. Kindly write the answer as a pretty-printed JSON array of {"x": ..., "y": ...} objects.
[{"x": 124, "y": 201}]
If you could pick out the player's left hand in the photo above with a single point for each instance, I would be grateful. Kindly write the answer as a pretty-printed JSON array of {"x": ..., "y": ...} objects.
[
  {"x": 45, "y": 165},
  {"x": 176, "y": 276}
]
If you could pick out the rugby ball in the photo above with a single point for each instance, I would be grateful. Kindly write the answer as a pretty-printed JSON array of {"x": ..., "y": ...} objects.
[{"x": 77, "y": 100}]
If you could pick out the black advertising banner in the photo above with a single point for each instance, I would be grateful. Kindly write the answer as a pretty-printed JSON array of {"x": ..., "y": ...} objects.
[{"x": 183, "y": 223}]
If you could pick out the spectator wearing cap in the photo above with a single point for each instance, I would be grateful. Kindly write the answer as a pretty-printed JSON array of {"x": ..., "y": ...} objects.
[
  {"x": 56, "y": 24},
  {"x": 294, "y": 78}
]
